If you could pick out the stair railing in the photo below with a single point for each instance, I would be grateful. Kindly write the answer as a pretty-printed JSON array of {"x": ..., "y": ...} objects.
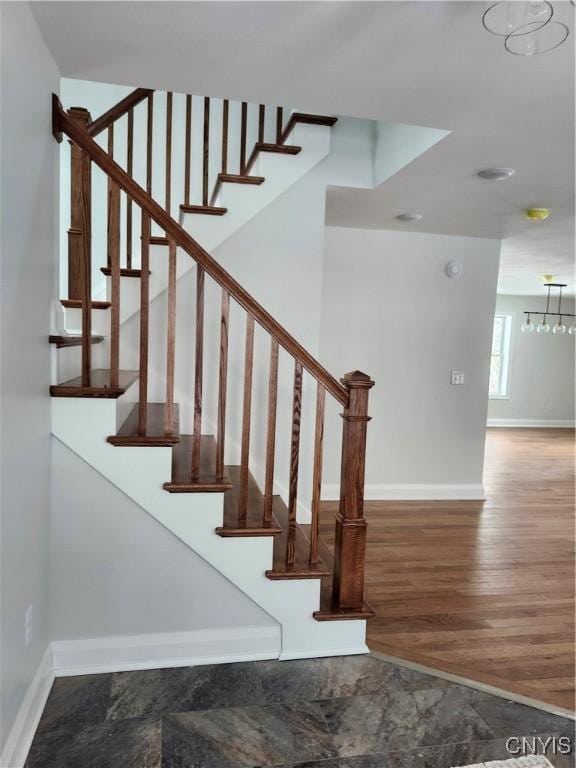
[
  {"x": 351, "y": 392},
  {"x": 252, "y": 137}
]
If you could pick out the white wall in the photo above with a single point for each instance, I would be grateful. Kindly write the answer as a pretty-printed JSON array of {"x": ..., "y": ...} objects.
[
  {"x": 29, "y": 262},
  {"x": 541, "y": 376},
  {"x": 115, "y": 571},
  {"x": 389, "y": 310}
]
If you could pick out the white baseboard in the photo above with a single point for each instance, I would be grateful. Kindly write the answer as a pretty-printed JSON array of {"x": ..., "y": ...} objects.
[
  {"x": 542, "y": 423},
  {"x": 412, "y": 492},
  {"x": 22, "y": 732},
  {"x": 170, "y": 649},
  {"x": 362, "y": 649}
]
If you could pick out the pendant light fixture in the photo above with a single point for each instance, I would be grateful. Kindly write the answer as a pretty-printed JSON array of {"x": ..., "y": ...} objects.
[
  {"x": 559, "y": 326},
  {"x": 527, "y": 26}
]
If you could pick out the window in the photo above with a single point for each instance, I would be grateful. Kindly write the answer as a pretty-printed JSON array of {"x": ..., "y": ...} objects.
[{"x": 500, "y": 359}]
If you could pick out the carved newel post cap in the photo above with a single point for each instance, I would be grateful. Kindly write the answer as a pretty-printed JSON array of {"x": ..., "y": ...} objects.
[
  {"x": 80, "y": 113},
  {"x": 357, "y": 379}
]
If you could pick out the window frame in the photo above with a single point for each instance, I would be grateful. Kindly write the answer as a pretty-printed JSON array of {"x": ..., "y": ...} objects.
[{"x": 505, "y": 355}]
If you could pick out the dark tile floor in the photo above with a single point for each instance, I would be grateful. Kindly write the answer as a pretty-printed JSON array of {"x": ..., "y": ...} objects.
[{"x": 343, "y": 712}]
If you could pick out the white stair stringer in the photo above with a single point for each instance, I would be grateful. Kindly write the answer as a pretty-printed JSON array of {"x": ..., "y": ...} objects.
[
  {"x": 243, "y": 201},
  {"x": 83, "y": 424}
]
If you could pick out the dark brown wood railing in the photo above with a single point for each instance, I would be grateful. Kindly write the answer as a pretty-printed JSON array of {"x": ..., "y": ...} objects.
[{"x": 351, "y": 392}]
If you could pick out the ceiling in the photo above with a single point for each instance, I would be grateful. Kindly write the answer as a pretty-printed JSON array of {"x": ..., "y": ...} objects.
[{"x": 423, "y": 63}]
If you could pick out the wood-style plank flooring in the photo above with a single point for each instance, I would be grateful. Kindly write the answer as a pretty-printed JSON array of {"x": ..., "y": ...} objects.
[{"x": 483, "y": 590}]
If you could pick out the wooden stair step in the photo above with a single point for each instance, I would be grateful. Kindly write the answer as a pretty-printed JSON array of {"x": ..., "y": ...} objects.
[
  {"x": 158, "y": 431},
  {"x": 281, "y": 149},
  {"x": 254, "y": 524},
  {"x": 211, "y": 210},
  {"x": 306, "y": 119},
  {"x": 234, "y": 178},
  {"x": 302, "y": 568},
  {"x": 206, "y": 482},
  {"x": 71, "y": 340},
  {"x": 77, "y": 304},
  {"x": 124, "y": 272},
  {"x": 158, "y": 240},
  {"x": 99, "y": 385},
  {"x": 328, "y": 612}
]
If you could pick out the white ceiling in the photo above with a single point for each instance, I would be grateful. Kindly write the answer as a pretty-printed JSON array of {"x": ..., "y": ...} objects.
[{"x": 423, "y": 63}]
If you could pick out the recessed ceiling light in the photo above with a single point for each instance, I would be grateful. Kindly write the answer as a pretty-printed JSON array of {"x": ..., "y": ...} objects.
[
  {"x": 496, "y": 174},
  {"x": 409, "y": 216}
]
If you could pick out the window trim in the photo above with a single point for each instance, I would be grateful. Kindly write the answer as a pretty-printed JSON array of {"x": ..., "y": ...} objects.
[{"x": 506, "y": 357}]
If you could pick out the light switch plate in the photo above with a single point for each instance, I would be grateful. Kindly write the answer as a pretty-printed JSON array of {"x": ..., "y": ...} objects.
[{"x": 457, "y": 377}]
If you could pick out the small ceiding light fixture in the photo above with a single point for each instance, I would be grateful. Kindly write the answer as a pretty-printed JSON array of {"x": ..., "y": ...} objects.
[
  {"x": 496, "y": 174},
  {"x": 537, "y": 214},
  {"x": 409, "y": 217}
]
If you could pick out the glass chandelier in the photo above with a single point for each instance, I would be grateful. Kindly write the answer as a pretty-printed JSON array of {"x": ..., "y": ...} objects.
[
  {"x": 543, "y": 327},
  {"x": 526, "y": 26}
]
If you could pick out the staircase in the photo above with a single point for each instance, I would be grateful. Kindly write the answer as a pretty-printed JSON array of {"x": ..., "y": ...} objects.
[{"x": 222, "y": 499}]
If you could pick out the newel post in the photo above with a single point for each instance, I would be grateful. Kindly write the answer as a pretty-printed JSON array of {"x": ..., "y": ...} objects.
[
  {"x": 348, "y": 586},
  {"x": 78, "y": 239}
]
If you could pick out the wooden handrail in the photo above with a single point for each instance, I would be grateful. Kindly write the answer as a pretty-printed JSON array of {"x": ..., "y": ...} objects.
[
  {"x": 82, "y": 138},
  {"x": 118, "y": 110}
]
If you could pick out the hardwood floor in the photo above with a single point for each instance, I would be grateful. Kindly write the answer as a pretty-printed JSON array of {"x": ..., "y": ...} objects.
[{"x": 483, "y": 589}]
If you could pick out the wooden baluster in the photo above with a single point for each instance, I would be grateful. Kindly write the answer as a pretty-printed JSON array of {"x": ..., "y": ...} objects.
[
  {"x": 144, "y": 306},
  {"x": 76, "y": 240},
  {"x": 350, "y": 543},
  {"x": 317, "y": 476},
  {"x": 113, "y": 259},
  {"x": 294, "y": 457},
  {"x": 279, "y": 121},
  {"x": 222, "y": 381},
  {"x": 198, "y": 369},
  {"x": 206, "y": 155},
  {"x": 225, "y": 136},
  {"x": 188, "y": 150},
  {"x": 171, "y": 338},
  {"x": 149, "y": 137},
  {"x": 86, "y": 270},
  {"x": 243, "y": 124},
  {"x": 246, "y": 408},
  {"x": 271, "y": 430},
  {"x": 168, "y": 182},
  {"x": 129, "y": 171},
  {"x": 261, "y": 123}
]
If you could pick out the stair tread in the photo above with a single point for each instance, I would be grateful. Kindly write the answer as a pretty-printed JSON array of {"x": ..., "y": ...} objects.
[
  {"x": 124, "y": 272},
  {"x": 77, "y": 304},
  {"x": 210, "y": 210},
  {"x": 254, "y": 524},
  {"x": 328, "y": 612},
  {"x": 158, "y": 240},
  {"x": 157, "y": 432},
  {"x": 99, "y": 385},
  {"x": 71, "y": 340},
  {"x": 307, "y": 119},
  {"x": 238, "y": 178},
  {"x": 182, "y": 481},
  {"x": 281, "y": 149}
]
